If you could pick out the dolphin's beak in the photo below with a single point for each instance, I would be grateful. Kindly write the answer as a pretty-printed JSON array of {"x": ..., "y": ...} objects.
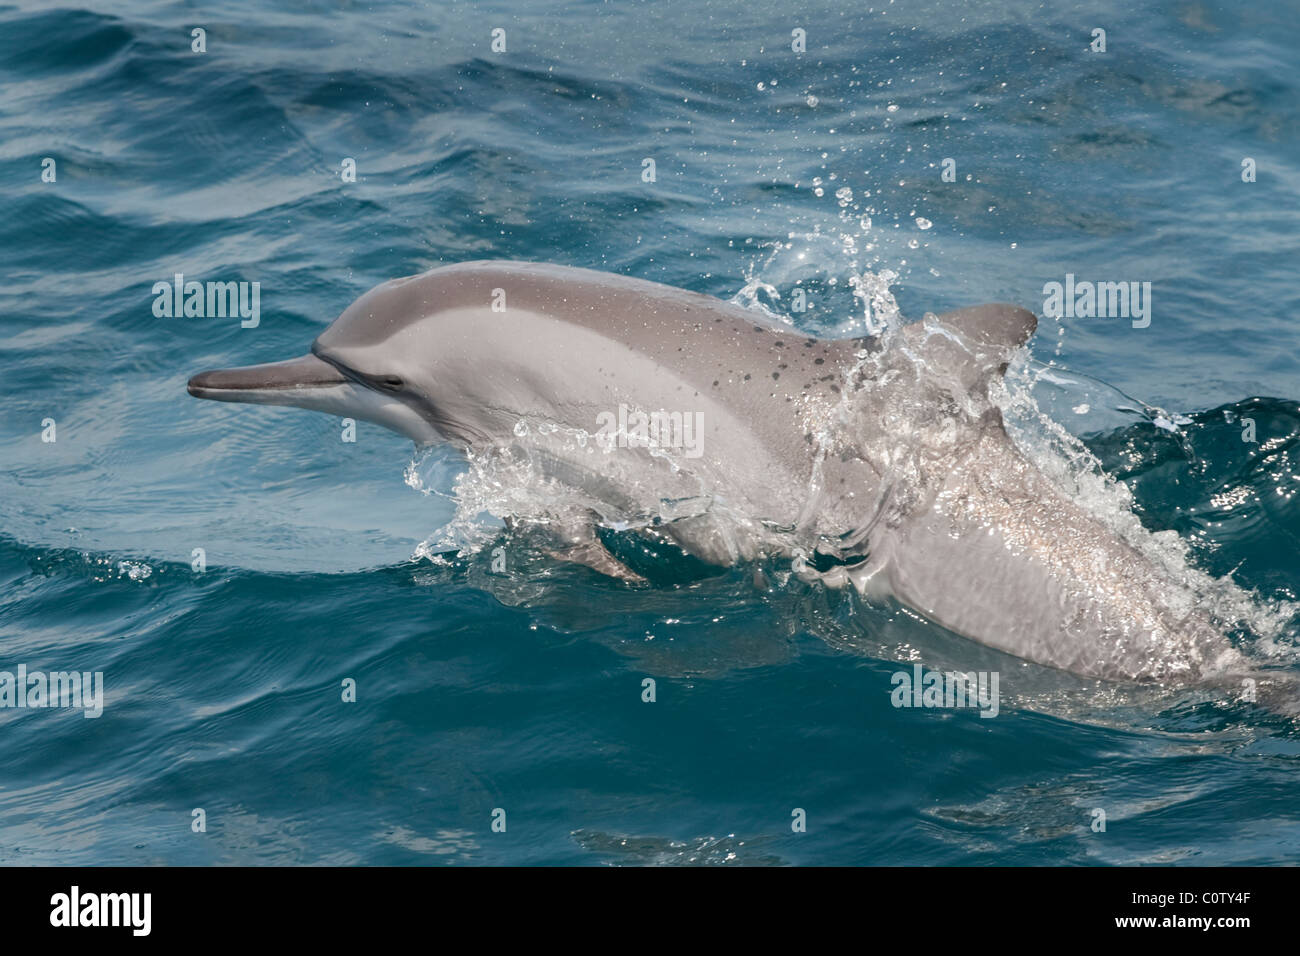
[
  {"x": 312, "y": 383},
  {"x": 275, "y": 383}
]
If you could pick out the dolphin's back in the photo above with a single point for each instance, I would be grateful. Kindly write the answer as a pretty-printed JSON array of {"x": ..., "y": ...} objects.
[{"x": 637, "y": 311}]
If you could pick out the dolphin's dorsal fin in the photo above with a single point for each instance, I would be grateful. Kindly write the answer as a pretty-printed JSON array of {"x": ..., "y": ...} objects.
[
  {"x": 975, "y": 344},
  {"x": 999, "y": 325}
]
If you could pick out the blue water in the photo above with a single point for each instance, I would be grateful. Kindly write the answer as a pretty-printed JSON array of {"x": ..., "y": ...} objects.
[{"x": 522, "y": 691}]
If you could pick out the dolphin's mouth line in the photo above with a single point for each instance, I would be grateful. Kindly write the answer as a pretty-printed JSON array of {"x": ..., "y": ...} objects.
[
  {"x": 387, "y": 384},
  {"x": 340, "y": 367}
]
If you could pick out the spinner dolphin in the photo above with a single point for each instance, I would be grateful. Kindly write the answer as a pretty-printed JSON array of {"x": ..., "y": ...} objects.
[{"x": 879, "y": 463}]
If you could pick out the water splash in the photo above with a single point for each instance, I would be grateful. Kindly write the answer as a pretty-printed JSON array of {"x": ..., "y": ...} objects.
[{"x": 1026, "y": 394}]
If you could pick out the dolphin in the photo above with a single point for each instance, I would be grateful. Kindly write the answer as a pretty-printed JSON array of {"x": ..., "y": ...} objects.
[{"x": 879, "y": 463}]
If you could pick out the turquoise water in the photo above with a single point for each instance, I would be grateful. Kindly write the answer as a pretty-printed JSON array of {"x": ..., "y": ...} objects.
[{"x": 522, "y": 691}]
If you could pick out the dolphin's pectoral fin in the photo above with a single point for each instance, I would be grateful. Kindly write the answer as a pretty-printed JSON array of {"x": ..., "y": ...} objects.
[
  {"x": 576, "y": 542},
  {"x": 592, "y": 554},
  {"x": 869, "y": 576},
  {"x": 871, "y": 579}
]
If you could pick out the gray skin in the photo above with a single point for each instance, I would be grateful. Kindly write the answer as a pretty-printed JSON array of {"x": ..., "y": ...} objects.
[{"x": 884, "y": 455}]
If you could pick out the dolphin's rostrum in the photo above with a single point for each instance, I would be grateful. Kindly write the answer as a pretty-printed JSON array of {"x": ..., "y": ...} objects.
[{"x": 882, "y": 459}]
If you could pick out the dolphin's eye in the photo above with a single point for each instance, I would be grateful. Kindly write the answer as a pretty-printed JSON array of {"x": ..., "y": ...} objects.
[{"x": 390, "y": 383}]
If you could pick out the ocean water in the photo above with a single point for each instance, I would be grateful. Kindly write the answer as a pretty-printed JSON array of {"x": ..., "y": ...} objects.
[{"x": 479, "y": 691}]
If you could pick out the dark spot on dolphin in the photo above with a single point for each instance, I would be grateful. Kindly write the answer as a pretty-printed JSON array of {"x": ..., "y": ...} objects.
[
  {"x": 776, "y": 376},
  {"x": 746, "y": 376}
]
